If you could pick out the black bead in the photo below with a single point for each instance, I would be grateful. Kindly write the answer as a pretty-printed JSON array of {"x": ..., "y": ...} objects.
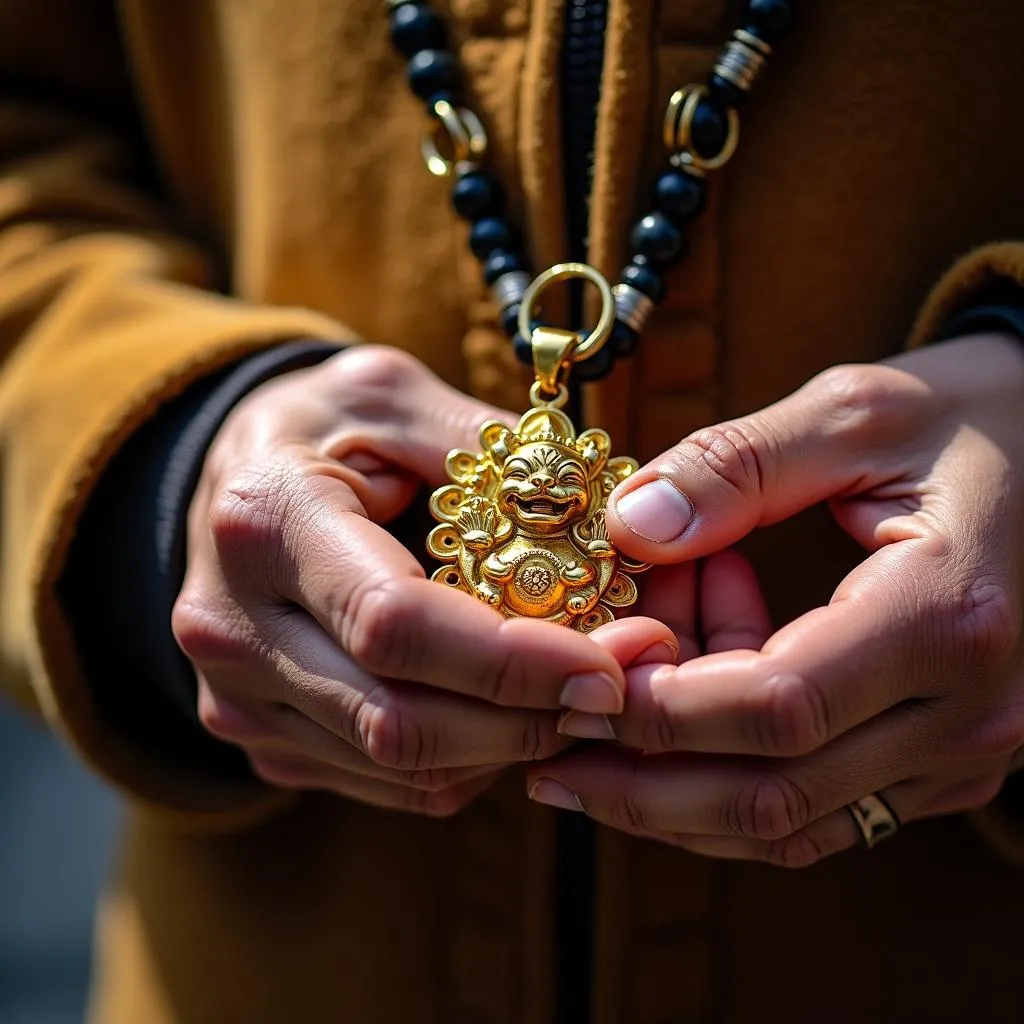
[
  {"x": 623, "y": 340},
  {"x": 500, "y": 262},
  {"x": 488, "y": 234},
  {"x": 416, "y": 27},
  {"x": 475, "y": 195},
  {"x": 657, "y": 238},
  {"x": 680, "y": 195},
  {"x": 770, "y": 18},
  {"x": 510, "y": 320},
  {"x": 523, "y": 350},
  {"x": 724, "y": 95},
  {"x": 597, "y": 367},
  {"x": 644, "y": 279},
  {"x": 710, "y": 130},
  {"x": 431, "y": 72}
]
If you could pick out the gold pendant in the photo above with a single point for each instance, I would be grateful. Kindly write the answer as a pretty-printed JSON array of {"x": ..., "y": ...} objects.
[{"x": 522, "y": 524}]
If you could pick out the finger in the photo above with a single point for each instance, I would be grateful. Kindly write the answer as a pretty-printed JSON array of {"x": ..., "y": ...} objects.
[
  {"x": 280, "y": 731},
  {"x": 669, "y": 594},
  {"x": 746, "y": 797},
  {"x": 632, "y": 642},
  {"x": 883, "y": 640},
  {"x": 405, "y": 415},
  {"x": 718, "y": 484},
  {"x": 734, "y": 614},
  {"x": 837, "y": 832},
  {"x": 638, "y": 640},
  {"x": 305, "y": 774},
  {"x": 396, "y": 726},
  {"x": 306, "y": 540},
  {"x": 664, "y": 631},
  {"x": 733, "y": 610}
]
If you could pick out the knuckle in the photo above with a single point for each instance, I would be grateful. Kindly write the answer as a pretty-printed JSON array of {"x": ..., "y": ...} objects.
[
  {"x": 769, "y": 808},
  {"x": 659, "y": 732},
  {"x": 445, "y": 803},
  {"x": 379, "y": 368},
  {"x": 247, "y": 516},
  {"x": 794, "y": 719},
  {"x": 987, "y": 623},
  {"x": 376, "y": 629},
  {"x": 430, "y": 780},
  {"x": 737, "y": 453},
  {"x": 625, "y": 812},
  {"x": 229, "y": 724},
  {"x": 999, "y": 735},
  {"x": 392, "y": 737},
  {"x": 205, "y": 633},
  {"x": 796, "y": 851},
  {"x": 538, "y": 739},
  {"x": 282, "y": 771},
  {"x": 983, "y": 791},
  {"x": 506, "y": 682},
  {"x": 860, "y": 398}
]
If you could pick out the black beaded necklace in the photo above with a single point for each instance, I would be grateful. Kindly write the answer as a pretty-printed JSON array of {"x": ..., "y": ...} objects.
[{"x": 701, "y": 132}]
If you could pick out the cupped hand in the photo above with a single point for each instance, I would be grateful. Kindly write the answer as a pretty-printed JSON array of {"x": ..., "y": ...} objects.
[
  {"x": 320, "y": 648},
  {"x": 909, "y": 683}
]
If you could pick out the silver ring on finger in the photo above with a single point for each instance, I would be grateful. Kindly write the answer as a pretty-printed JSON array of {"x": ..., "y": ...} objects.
[{"x": 875, "y": 819}]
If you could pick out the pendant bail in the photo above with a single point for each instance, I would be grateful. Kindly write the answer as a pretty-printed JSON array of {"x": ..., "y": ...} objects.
[
  {"x": 552, "y": 356},
  {"x": 554, "y": 347}
]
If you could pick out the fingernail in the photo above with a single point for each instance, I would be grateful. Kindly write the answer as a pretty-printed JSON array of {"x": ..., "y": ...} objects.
[
  {"x": 585, "y": 727},
  {"x": 595, "y": 692},
  {"x": 554, "y": 794},
  {"x": 657, "y": 511},
  {"x": 661, "y": 653}
]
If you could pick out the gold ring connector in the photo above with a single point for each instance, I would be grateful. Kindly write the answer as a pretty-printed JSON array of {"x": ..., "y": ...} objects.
[
  {"x": 677, "y": 131},
  {"x": 595, "y": 340},
  {"x": 466, "y": 137}
]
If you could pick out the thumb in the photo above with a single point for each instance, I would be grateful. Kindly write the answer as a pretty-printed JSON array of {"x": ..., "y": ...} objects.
[{"x": 721, "y": 482}]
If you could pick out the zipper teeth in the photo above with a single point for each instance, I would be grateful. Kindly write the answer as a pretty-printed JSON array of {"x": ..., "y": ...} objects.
[
  {"x": 582, "y": 64},
  {"x": 582, "y": 61}
]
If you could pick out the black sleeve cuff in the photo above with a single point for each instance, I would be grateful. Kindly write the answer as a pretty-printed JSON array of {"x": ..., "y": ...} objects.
[
  {"x": 126, "y": 562},
  {"x": 1000, "y": 310}
]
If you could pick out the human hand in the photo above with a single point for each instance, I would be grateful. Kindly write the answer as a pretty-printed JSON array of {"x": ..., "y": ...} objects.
[
  {"x": 910, "y": 682},
  {"x": 320, "y": 648}
]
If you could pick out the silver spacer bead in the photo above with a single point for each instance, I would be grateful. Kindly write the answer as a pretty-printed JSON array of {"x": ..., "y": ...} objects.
[
  {"x": 509, "y": 289},
  {"x": 632, "y": 307},
  {"x": 755, "y": 42},
  {"x": 743, "y": 60}
]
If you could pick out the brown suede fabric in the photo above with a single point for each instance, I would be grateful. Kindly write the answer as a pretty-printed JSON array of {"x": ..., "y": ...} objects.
[{"x": 883, "y": 147}]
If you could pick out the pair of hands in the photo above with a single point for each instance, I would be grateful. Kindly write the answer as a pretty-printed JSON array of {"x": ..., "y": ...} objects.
[{"x": 324, "y": 653}]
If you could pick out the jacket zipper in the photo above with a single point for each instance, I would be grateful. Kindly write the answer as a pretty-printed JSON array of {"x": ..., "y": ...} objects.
[{"x": 581, "y": 66}]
